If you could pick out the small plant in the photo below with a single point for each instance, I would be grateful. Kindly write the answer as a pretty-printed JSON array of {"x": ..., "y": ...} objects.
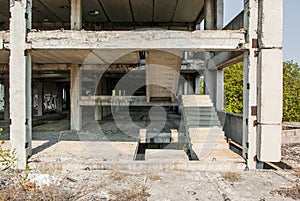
[
  {"x": 116, "y": 176},
  {"x": 232, "y": 176},
  {"x": 7, "y": 156},
  {"x": 154, "y": 177}
]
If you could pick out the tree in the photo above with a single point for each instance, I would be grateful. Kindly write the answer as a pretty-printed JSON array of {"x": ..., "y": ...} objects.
[
  {"x": 233, "y": 87},
  {"x": 291, "y": 91}
]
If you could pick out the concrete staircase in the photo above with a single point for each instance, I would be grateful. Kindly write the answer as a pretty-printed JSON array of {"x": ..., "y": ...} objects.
[
  {"x": 207, "y": 139},
  {"x": 162, "y": 75}
]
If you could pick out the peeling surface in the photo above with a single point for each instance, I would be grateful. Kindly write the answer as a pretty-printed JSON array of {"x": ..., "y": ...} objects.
[{"x": 136, "y": 40}]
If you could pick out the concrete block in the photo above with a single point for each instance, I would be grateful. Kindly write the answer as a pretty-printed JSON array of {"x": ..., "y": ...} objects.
[
  {"x": 1, "y": 43},
  {"x": 270, "y": 86},
  {"x": 270, "y": 26},
  {"x": 269, "y": 143},
  {"x": 165, "y": 155}
]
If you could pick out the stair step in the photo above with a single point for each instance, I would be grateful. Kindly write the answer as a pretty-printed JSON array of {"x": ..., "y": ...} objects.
[
  {"x": 193, "y": 124},
  {"x": 201, "y": 118}
]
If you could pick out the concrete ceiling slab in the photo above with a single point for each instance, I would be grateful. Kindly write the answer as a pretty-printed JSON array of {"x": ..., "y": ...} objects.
[
  {"x": 117, "y": 12},
  {"x": 116, "y": 15},
  {"x": 86, "y": 57},
  {"x": 188, "y": 10},
  {"x": 142, "y": 10}
]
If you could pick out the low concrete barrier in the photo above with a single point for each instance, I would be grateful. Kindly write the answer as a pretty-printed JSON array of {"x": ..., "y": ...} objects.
[{"x": 233, "y": 127}]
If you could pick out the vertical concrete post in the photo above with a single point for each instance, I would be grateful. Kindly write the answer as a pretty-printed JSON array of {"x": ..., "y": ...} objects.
[
  {"x": 210, "y": 15},
  {"x": 28, "y": 104},
  {"x": 214, "y": 79},
  {"x": 59, "y": 98},
  {"x": 98, "y": 113},
  {"x": 250, "y": 84},
  {"x": 270, "y": 78},
  {"x": 76, "y": 14},
  {"x": 6, "y": 99},
  {"x": 40, "y": 98},
  {"x": 20, "y": 81},
  {"x": 220, "y": 90},
  {"x": 76, "y": 110}
]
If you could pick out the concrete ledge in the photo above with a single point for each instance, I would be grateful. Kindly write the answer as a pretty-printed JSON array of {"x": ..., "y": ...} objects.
[
  {"x": 120, "y": 101},
  {"x": 138, "y": 40}
]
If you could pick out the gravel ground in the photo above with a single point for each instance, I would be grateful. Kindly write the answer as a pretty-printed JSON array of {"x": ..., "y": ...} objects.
[
  {"x": 163, "y": 185},
  {"x": 291, "y": 154}
]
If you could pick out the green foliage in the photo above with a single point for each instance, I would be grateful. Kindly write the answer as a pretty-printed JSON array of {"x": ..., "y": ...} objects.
[
  {"x": 291, "y": 92},
  {"x": 233, "y": 87}
]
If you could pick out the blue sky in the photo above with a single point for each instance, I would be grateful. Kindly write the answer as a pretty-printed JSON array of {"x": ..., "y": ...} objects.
[{"x": 291, "y": 14}]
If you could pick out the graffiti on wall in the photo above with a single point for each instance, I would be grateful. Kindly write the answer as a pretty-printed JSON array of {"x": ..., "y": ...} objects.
[{"x": 49, "y": 102}]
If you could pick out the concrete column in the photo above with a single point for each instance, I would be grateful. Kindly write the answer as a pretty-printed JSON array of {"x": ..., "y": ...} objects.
[
  {"x": 20, "y": 82},
  {"x": 270, "y": 78},
  {"x": 250, "y": 84},
  {"x": 98, "y": 113},
  {"x": 6, "y": 99},
  {"x": 210, "y": 15},
  {"x": 220, "y": 90},
  {"x": 220, "y": 14},
  {"x": 28, "y": 104},
  {"x": 40, "y": 98},
  {"x": 76, "y": 110},
  {"x": 59, "y": 98},
  {"x": 105, "y": 110},
  {"x": 76, "y": 15},
  {"x": 210, "y": 79}
]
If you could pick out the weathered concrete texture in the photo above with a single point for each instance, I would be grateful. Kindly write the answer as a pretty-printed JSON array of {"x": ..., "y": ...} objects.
[
  {"x": 270, "y": 104},
  {"x": 250, "y": 85},
  {"x": 159, "y": 155},
  {"x": 76, "y": 110},
  {"x": 76, "y": 14},
  {"x": 20, "y": 91},
  {"x": 136, "y": 40},
  {"x": 224, "y": 59},
  {"x": 270, "y": 26},
  {"x": 162, "y": 74}
]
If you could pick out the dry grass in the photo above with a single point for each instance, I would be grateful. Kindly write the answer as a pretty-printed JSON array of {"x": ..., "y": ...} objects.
[
  {"x": 133, "y": 194},
  {"x": 154, "y": 177},
  {"x": 116, "y": 176},
  {"x": 232, "y": 176},
  {"x": 292, "y": 192}
]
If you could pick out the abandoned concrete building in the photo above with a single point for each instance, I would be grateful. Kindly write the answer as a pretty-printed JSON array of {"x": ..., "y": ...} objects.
[{"x": 146, "y": 72}]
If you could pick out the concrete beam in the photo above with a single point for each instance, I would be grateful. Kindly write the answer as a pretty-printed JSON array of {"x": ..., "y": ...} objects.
[
  {"x": 224, "y": 59},
  {"x": 139, "y": 40},
  {"x": 120, "y": 101},
  {"x": 76, "y": 14}
]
